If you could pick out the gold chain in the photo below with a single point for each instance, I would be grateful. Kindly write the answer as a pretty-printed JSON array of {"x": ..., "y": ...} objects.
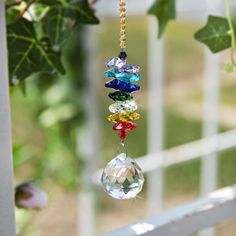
[{"x": 122, "y": 24}]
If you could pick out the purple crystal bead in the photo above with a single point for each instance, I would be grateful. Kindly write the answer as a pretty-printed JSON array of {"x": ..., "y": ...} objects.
[
  {"x": 115, "y": 62},
  {"x": 122, "y": 86},
  {"x": 123, "y": 55},
  {"x": 129, "y": 68}
]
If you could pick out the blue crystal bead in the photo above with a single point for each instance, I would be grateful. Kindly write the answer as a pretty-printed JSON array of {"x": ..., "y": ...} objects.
[
  {"x": 129, "y": 68},
  {"x": 122, "y": 86},
  {"x": 123, "y": 76}
]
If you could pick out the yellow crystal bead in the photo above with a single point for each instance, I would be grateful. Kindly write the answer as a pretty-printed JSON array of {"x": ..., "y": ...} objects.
[
  {"x": 114, "y": 117},
  {"x": 124, "y": 117},
  {"x": 134, "y": 116}
]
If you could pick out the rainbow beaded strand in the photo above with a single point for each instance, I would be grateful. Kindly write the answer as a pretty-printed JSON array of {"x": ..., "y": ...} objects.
[
  {"x": 125, "y": 106},
  {"x": 122, "y": 177}
]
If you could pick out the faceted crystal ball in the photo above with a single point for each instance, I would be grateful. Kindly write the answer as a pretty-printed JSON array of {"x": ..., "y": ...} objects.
[{"x": 122, "y": 178}]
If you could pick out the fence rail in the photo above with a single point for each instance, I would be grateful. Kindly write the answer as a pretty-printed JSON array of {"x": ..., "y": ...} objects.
[
  {"x": 183, "y": 153},
  {"x": 187, "y": 219}
]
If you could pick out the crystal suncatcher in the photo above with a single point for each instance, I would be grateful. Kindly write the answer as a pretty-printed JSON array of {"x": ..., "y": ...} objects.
[{"x": 122, "y": 178}]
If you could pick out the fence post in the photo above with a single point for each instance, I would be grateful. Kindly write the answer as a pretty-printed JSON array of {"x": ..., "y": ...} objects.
[
  {"x": 155, "y": 114},
  {"x": 209, "y": 163},
  {"x": 210, "y": 120},
  {"x": 7, "y": 209},
  {"x": 89, "y": 142}
]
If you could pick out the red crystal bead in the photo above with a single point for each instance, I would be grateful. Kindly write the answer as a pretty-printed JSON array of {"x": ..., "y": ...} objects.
[
  {"x": 123, "y": 134},
  {"x": 130, "y": 126},
  {"x": 123, "y": 127},
  {"x": 118, "y": 126}
]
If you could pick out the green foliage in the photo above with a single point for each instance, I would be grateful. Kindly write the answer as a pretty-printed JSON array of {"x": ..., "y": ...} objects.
[
  {"x": 218, "y": 33},
  {"x": 165, "y": 11},
  {"x": 28, "y": 54},
  {"x": 62, "y": 18},
  {"x": 229, "y": 68},
  {"x": 36, "y": 43},
  {"x": 215, "y": 34}
]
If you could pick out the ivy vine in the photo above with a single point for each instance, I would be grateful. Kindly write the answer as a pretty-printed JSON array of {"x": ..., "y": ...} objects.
[
  {"x": 218, "y": 34},
  {"x": 38, "y": 30}
]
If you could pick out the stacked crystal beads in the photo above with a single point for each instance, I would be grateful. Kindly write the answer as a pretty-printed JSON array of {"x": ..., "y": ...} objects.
[{"x": 124, "y": 109}]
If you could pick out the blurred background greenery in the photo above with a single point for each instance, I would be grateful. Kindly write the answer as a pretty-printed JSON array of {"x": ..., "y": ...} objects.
[{"x": 46, "y": 120}]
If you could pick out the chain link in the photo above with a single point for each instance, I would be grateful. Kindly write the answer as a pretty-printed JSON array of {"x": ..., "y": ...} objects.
[{"x": 122, "y": 25}]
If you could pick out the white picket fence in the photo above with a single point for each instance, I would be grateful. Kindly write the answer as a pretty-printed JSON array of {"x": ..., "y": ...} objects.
[
  {"x": 187, "y": 219},
  {"x": 184, "y": 220}
]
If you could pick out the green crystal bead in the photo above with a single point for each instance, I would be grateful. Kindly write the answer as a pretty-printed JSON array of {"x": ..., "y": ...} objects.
[{"x": 120, "y": 96}]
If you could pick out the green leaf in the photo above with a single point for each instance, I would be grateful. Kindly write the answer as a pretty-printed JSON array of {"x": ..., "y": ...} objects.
[
  {"x": 215, "y": 34},
  {"x": 165, "y": 11},
  {"x": 56, "y": 26},
  {"x": 229, "y": 68},
  {"x": 12, "y": 15},
  {"x": 28, "y": 54},
  {"x": 48, "y": 2},
  {"x": 61, "y": 20},
  {"x": 82, "y": 12}
]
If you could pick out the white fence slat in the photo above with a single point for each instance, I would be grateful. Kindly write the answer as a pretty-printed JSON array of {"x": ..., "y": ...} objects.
[
  {"x": 89, "y": 144},
  {"x": 183, "y": 153},
  {"x": 187, "y": 219},
  {"x": 210, "y": 120},
  {"x": 7, "y": 208},
  {"x": 209, "y": 163},
  {"x": 155, "y": 115},
  {"x": 187, "y": 9},
  {"x": 210, "y": 113}
]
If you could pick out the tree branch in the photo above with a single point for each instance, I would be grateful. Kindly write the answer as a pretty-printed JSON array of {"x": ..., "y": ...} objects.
[
  {"x": 93, "y": 2},
  {"x": 15, "y": 3},
  {"x": 25, "y": 9}
]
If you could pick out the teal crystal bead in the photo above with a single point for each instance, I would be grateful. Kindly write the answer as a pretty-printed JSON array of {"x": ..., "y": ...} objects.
[
  {"x": 128, "y": 77},
  {"x": 111, "y": 73},
  {"x": 123, "y": 76}
]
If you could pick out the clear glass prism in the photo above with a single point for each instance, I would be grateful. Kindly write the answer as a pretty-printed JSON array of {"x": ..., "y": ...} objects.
[{"x": 122, "y": 178}]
